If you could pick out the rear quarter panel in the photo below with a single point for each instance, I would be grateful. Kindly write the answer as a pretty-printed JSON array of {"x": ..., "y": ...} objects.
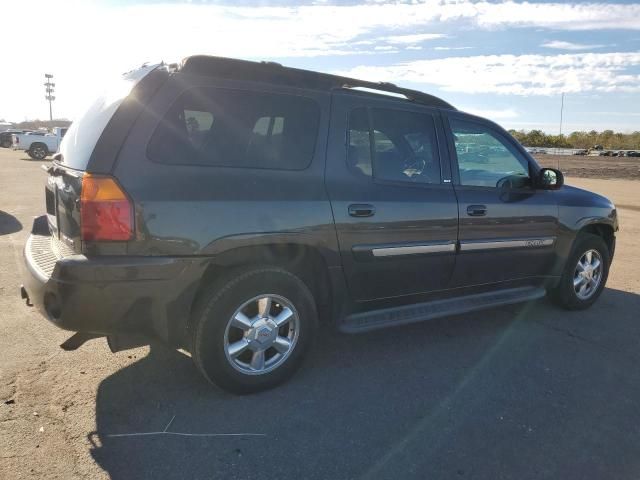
[{"x": 205, "y": 211}]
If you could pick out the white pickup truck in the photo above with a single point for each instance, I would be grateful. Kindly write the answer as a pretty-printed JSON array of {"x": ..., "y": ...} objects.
[{"x": 38, "y": 146}]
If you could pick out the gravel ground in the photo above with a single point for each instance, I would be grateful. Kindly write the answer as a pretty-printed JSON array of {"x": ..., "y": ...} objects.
[
  {"x": 593, "y": 167},
  {"x": 523, "y": 392}
]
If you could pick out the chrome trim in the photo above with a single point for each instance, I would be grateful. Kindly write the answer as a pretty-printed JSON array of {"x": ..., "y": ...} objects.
[
  {"x": 413, "y": 249},
  {"x": 522, "y": 243}
]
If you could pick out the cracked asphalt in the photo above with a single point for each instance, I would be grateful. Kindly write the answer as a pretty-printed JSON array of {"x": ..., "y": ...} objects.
[{"x": 524, "y": 392}]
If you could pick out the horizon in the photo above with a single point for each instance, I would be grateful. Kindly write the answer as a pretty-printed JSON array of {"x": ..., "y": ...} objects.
[{"x": 507, "y": 61}]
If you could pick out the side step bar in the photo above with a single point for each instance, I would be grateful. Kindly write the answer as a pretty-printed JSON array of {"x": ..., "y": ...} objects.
[{"x": 363, "y": 322}]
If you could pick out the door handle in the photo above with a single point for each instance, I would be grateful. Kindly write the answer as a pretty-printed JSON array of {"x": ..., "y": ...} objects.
[
  {"x": 362, "y": 210},
  {"x": 477, "y": 210}
]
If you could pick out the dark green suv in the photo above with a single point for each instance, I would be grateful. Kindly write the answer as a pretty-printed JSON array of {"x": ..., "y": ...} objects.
[{"x": 232, "y": 208}]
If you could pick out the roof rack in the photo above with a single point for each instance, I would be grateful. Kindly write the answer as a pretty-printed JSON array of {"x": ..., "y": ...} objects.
[{"x": 222, "y": 67}]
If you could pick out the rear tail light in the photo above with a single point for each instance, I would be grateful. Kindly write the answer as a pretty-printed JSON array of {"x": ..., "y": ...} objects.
[{"x": 106, "y": 213}]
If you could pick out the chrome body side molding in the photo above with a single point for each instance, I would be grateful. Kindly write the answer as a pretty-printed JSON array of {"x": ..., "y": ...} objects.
[
  {"x": 413, "y": 249},
  {"x": 500, "y": 244}
]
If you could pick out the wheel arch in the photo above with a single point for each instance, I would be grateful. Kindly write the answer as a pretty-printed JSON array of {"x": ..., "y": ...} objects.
[
  {"x": 603, "y": 230},
  {"x": 304, "y": 261}
]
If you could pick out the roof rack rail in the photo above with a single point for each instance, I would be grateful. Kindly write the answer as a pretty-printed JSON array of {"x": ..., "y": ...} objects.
[
  {"x": 411, "y": 95},
  {"x": 231, "y": 68}
]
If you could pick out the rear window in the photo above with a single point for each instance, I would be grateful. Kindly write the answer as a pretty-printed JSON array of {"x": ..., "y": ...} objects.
[
  {"x": 85, "y": 130},
  {"x": 234, "y": 128}
]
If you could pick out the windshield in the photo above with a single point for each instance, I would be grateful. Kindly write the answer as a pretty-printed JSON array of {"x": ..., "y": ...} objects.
[{"x": 83, "y": 134}]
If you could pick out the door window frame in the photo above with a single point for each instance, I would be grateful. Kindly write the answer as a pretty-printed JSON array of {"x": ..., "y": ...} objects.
[
  {"x": 512, "y": 146},
  {"x": 439, "y": 138}
]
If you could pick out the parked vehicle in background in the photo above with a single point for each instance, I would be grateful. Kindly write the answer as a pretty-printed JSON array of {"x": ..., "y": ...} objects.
[
  {"x": 38, "y": 144},
  {"x": 580, "y": 152},
  {"x": 233, "y": 208},
  {"x": 536, "y": 150},
  {"x": 597, "y": 153},
  {"x": 6, "y": 139},
  {"x": 633, "y": 153}
]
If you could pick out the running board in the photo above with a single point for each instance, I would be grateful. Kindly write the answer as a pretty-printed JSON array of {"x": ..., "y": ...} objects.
[{"x": 419, "y": 312}]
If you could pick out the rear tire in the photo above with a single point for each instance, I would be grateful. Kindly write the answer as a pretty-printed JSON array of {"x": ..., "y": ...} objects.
[
  {"x": 5, "y": 144},
  {"x": 243, "y": 342},
  {"x": 38, "y": 151},
  {"x": 585, "y": 273}
]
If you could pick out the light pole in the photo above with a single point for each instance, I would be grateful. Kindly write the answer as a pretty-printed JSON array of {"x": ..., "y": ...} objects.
[{"x": 49, "y": 85}]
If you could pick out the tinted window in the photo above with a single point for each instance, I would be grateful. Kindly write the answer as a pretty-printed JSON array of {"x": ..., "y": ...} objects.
[
  {"x": 81, "y": 137},
  {"x": 211, "y": 126},
  {"x": 404, "y": 145},
  {"x": 359, "y": 150},
  {"x": 484, "y": 158}
]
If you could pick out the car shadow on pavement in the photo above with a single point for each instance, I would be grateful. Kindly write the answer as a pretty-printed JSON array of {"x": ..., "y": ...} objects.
[
  {"x": 9, "y": 224},
  {"x": 526, "y": 391}
]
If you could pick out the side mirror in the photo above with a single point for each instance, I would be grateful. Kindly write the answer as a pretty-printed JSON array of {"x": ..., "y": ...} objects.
[{"x": 550, "y": 179}]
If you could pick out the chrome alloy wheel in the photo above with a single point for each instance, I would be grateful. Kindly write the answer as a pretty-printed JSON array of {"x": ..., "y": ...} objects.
[
  {"x": 39, "y": 152},
  {"x": 588, "y": 274},
  {"x": 261, "y": 334}
]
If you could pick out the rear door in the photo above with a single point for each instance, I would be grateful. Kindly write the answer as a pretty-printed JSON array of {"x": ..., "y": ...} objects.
[
  {"x": 395, "y": 213},
  {"x": 508, "y": 229}
]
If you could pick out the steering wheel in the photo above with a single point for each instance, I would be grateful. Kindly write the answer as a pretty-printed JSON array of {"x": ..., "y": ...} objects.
[{"x": 413, "y": 165}]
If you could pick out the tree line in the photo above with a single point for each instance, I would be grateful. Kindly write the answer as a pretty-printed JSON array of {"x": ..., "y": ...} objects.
[
  {"x": 37, "y": 124},
  {"x": 608, "y": 139}
]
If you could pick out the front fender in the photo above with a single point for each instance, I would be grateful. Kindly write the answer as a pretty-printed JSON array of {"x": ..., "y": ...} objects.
[{"x": 577, "y": 210}]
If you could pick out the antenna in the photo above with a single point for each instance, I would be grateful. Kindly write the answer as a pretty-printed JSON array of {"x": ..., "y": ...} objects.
[{"x": 561, "y": 111}]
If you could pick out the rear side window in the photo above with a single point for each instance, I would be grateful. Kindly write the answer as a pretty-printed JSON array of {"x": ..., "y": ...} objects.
[
  {"x": 403, "y": 145},
  {"x": 233, "y": 128}
]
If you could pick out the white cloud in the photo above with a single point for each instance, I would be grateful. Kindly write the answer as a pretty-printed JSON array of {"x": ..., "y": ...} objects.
[
  {"x": 413, "y": 39},
  {"x": 507, "y": 113},
  {"x": 559, "y": 15},
  {"x": 560, "y": 45},
  {"x": 616, "y": 114},
  {"x": 452, "y": 48},
  {"x": 84, "y": 42},
  {"x": 516, "y": 74}
]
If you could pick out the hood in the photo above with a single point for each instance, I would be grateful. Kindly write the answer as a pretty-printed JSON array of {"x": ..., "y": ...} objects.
[{"x": 575, "y": 196}]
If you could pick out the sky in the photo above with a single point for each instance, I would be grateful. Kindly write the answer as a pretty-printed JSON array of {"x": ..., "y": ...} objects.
[{"x": 508, "y": 61}]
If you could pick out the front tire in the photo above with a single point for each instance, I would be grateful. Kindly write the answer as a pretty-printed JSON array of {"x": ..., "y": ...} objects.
[
  {"x": 252, "y": 330},
  {"x": 585, "y": 273}
]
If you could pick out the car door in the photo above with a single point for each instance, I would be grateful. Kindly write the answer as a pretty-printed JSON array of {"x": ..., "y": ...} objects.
[
  {"x": 395, "y": 217},
  {"x": 508, "y": 228}
]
